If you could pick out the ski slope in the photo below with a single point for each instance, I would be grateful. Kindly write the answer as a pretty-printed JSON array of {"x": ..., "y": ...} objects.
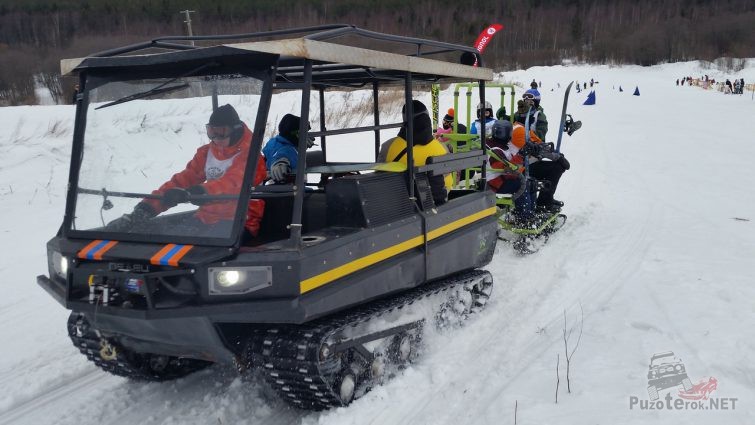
[{"x": 656, "y": 256}]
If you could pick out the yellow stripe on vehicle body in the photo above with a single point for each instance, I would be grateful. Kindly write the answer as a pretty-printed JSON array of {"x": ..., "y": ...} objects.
[
  {"x": 450, "y": 227},
  {"x": 376, "y": 257}
]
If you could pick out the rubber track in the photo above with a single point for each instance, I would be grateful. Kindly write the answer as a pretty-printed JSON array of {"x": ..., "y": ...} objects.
[
  {"x": 288, "y": 356},
  {"x": 126, "y": 364}
]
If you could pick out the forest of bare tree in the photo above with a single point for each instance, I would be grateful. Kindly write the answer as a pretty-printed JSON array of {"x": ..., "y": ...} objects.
[{"x": 36, "y": 34}]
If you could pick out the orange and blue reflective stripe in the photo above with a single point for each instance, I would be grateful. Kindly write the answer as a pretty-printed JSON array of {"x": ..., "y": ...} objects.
[
  {"x": 170, "y": 255},
  {"x": 96, "y": 249}
]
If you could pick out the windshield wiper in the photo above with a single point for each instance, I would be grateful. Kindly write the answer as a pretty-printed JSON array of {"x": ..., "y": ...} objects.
[
  {"x": 159, "y": 89},
  {"x": 152, "y": 92}
]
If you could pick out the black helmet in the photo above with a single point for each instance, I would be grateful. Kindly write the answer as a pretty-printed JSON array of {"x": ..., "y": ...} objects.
[
  {"x": 418, "y": 108},
  {"x": 501, "y": 131},
  {"x": 487, "y": 107},
  {"x": 226, "y": 116},
  {"x": 289, "y": 129}
]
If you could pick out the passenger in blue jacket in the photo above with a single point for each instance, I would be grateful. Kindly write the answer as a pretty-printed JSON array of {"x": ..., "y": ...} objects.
[{"x": 281, "y": 151}]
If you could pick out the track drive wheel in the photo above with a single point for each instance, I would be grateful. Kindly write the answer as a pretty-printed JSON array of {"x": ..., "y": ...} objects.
[{"x": 113, "y": 358}]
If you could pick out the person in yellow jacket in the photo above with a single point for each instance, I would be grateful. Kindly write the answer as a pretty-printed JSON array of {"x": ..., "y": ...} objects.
[{"x": 425, "y": 146}]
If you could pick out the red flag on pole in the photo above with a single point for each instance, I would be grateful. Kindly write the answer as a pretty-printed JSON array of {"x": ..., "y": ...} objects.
[{"x": 485, "y": 36}]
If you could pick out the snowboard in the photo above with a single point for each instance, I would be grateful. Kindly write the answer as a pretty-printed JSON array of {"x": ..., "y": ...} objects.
[{"x": 562, "y": 122}]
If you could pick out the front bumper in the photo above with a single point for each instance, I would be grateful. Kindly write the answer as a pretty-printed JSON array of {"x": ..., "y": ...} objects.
[{"x": 280, "y": 310}]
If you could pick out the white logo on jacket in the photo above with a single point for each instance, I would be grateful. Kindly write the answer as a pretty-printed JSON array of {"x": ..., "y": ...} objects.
[{"x": 215, "y": 168}]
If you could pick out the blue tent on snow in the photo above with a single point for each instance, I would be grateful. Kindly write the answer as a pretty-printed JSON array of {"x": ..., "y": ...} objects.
[{"x": 590, "y": 98}]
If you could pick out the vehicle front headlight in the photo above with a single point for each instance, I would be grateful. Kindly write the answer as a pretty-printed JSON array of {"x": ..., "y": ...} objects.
[
  {"x": 239, "y": 280},
  {"x": 60, "y": 265},
  {"x": 228, "y": 278}
]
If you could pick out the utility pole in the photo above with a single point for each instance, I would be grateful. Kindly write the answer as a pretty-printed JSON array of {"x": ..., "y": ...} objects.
[{"x": 188, "y": 22}]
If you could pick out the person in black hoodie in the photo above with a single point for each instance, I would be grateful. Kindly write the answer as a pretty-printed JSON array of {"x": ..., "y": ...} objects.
[{"x": 425, "y": 146}]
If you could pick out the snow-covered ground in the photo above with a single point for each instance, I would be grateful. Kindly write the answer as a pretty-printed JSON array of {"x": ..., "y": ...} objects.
[{"x": 657, "y": 254}]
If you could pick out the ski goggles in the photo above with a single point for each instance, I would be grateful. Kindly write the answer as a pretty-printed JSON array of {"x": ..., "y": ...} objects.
[
  {"x": 528, "y": 96},
  {"x": 218, "y": 132}
]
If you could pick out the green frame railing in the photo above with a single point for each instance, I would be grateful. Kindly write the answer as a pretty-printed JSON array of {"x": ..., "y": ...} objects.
[{"x": 471, "y": 141}]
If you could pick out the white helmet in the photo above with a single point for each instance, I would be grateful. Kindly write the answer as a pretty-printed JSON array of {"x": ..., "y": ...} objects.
[{"x": 486, "y": 107}]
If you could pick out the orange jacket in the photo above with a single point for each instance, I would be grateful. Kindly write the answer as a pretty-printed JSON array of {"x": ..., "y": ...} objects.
[
  {"x": 495, "y": 175},
  {"x": 518, "y": 141},
  {"x": 228, "y": 184}
]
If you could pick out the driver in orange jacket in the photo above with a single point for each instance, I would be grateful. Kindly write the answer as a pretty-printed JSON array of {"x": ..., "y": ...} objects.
[{"x": 217, "y": 168}]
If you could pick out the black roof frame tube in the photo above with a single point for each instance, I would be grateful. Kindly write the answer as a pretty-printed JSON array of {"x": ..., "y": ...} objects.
[
  {"x": 355, "y": 129},
  {"x": 321, "y": 32},
  {"x": 352, "y": 30},
  {"x": 160, "y": 42},
  {"x": 296, "y": 219}
]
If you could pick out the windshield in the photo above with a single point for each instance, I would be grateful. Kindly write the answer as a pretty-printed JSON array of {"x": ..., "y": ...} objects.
[{"x": 160, "y": 161}]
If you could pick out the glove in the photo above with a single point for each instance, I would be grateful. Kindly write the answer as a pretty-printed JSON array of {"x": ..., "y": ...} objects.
[
  {"x": 553, "y": 156},
  {"x": 280, "y": 170},
  {"x": 564, "y": 162},
  {"x": 141, "y": 214},
  {"x": 530, "y": 149},
  {"x": 197, "y": 190},
  {"x": 175, "y": 196}
]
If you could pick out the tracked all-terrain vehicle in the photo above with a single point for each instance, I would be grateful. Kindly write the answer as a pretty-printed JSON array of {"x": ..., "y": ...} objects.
[{"x": 342, "y": 279}]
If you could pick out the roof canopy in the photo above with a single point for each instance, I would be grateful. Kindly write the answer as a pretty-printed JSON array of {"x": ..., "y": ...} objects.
[{"x": 332, "y": 63}]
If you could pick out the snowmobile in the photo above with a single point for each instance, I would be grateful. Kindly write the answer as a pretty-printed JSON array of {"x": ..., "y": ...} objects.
[{"x": 336, "y": 290}]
